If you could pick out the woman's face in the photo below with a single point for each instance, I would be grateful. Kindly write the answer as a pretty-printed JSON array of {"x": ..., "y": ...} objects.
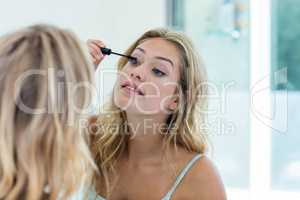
[{"x": 148, "y": 86}]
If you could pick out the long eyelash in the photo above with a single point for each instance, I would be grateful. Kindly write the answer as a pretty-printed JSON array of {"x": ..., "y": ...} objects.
[
  {"x": 134, "y": 61},
  {"x": 163, "y": 73}
]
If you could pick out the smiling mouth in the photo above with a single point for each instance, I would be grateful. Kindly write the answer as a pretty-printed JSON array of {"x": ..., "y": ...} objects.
[{"x": 133, "y": 89}]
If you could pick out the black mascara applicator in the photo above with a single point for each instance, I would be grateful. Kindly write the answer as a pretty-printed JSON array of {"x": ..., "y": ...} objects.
[{"x": 107, "y": 51}]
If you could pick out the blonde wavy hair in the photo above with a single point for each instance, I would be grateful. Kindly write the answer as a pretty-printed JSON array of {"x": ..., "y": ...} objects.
[
  {"x": 42, "y": 155},
  {"x": 184, "y": 125}
]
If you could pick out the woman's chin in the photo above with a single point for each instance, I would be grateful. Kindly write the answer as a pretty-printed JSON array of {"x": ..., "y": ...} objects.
[{"x": 135, "y": 105}]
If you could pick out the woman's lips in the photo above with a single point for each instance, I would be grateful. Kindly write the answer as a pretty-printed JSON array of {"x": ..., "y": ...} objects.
[{"x": 132, "y": 88}]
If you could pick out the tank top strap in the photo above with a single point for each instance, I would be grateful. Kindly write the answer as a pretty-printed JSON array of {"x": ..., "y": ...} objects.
[{"x": 181, "y": 176}]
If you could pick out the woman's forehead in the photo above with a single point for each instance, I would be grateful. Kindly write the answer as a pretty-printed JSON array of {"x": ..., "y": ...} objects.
[{"x": 159, "y": 47}]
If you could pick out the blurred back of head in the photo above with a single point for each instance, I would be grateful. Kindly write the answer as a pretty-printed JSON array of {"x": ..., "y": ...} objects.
[{"x": 44, "y": 74}]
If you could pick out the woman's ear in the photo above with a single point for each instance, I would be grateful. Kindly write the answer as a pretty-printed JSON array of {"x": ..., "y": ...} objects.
[{"x": 174, "y": 103}]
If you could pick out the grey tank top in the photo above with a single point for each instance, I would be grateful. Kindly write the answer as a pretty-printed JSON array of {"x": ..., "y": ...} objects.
[{"x": 93, "y": 195}]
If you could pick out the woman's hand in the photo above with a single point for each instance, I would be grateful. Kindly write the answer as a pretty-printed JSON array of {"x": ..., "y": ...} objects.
[{"x": 95, "y": 51}]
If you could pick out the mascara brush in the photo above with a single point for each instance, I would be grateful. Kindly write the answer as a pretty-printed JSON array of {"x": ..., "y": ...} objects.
[{"x": 107, "y": 51}]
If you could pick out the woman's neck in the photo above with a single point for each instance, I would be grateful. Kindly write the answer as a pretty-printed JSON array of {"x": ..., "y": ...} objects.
[{"x": 146, "y": 141}]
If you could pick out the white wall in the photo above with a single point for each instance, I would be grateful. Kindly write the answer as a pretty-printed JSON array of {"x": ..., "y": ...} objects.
[{"x": 116, "y": 22}]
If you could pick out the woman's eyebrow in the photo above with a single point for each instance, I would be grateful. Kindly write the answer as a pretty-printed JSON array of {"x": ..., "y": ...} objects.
[
  {"x": 142, "y": 50},
  {"x": 157, "y": 57},
  {"x": 165, "y": 59}
]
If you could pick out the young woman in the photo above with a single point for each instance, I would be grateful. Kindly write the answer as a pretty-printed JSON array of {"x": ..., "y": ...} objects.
[
  {"x": 42, "y": 153},
  {"x": 149, "y": 144}
]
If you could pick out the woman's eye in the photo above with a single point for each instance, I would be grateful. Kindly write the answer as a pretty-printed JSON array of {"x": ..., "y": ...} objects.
[
  {"x": 134, "y": 61},
  {"x": 158, "y": 72}
]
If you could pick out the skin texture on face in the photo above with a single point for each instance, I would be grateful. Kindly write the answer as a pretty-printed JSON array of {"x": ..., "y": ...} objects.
[{"x": 148, "y": 86}]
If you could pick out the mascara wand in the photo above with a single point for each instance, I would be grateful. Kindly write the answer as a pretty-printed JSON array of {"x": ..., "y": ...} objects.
[{"x": 107, "y": 51}]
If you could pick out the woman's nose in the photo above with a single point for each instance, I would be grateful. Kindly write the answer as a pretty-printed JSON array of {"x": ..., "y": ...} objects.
[{"x": 138, "y": 73}]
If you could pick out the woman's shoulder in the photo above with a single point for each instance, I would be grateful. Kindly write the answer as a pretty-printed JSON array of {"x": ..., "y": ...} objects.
[{"x": 204, "y": 181}]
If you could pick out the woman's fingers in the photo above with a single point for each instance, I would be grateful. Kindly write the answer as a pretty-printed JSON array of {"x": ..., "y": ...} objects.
[
  {"x": 99, "y": 43},
  {"x": 95, "y": 51}
]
